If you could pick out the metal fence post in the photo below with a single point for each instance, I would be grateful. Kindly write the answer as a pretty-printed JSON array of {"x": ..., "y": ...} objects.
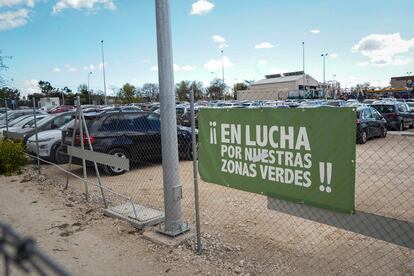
[
  {"x": 195, "y": 173},
  {"x": 172, "y": 187},
  {"x": 98, "y": 175},
  {"x": 36, "y": 134},
  {"x": 82, "y": 146}
]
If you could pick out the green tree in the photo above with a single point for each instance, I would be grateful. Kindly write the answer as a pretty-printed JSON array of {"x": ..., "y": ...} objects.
[
  {"x": 150, "y": 92},
  {"x": 9, "y": 93},
  {"x": 84, "y": 93},
  {"x": 238, "y": 87},
  {"x": 198, "y": 90},
  {"x": 216, "y": 89},
  {"x": 127, "y": 93},
  {"x": 46, "y": 88},
  {"x": 183, "y": 89}
]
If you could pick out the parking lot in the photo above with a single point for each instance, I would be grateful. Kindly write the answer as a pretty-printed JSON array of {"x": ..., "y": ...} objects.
[{"x": 277, "y": 242}]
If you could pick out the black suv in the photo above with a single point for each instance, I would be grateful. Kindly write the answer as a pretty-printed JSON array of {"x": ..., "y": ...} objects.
[
  {"x": 370, "y": 124},
  {"x": 132, "y": 135},
  {"x": 397, "y": 114}
]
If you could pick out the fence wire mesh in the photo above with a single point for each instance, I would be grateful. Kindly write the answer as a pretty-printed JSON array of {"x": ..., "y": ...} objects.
[{"x": 246, "y": 231}]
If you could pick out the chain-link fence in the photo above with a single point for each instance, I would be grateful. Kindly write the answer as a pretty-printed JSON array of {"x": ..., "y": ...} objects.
[{"x": 247, "y": 231}]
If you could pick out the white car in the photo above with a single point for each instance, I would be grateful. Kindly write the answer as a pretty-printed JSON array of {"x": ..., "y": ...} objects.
[
  {"x": 22, "y": 122},
  {"x": 49, "y": 145}
]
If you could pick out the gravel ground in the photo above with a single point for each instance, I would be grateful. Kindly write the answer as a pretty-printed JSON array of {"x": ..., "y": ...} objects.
[{"x": 241, "y": 236}]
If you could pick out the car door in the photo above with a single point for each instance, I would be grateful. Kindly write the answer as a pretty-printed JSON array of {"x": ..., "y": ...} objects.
[
  {"x": 62, "y": 120},
  {"x": 154, "y": 123},
  {"x": 370, "y": 122},
  {"x": 404, "y": 114},
  {"x": 377, "y": 123},
  {"x": 409, "y": 116},
  {"x": 136, "y": 128}
]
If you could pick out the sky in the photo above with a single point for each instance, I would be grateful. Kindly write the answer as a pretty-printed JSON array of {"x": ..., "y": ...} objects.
[{"x": 60, "y": 40}]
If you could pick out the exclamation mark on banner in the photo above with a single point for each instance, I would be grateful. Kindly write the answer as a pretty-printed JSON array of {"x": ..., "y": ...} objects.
[
  {"x": 325, "y": 170},
  {"x": 213, "y": 133}
]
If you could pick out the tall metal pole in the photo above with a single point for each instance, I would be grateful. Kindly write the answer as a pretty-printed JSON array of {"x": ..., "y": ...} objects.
[
  {"x": 195, "y": 173},
  {"x": 89, "y": 93},
  {"x": 173, "y": 225},
  {"x": 303, "y": 60},
  {"x": 81, "y": 136},
  {"x": 36, "y": 135},
  {"x": 222, "y": 64},
  {"x": 324, "y": 83},
  {"x": 222, "y": 72},
  {"x": 103, "y": 71}
]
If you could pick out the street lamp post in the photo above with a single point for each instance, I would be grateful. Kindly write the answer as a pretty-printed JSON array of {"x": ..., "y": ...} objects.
[
  {"x": 222, "y": 64},
  {"x": 324, "y": 83},
  {"x": 103, "y": 72},
  {"x": 89, "y": 93},
  {"x": 303, "y": 60},
  {"x": 173, "y": 225}
]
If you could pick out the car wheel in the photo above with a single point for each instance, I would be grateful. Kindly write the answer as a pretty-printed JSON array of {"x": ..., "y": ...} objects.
[
  {"x": 411, "y": 126},
  {"x": 364, "y": 137},
  {"x": 113, "y": 170},
  {"x": 384, "y": 132},
  {"x": 58, "y": 156}
]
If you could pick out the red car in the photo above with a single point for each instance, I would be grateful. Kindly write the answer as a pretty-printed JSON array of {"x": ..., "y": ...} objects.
[{"x": 61, "y": 108}]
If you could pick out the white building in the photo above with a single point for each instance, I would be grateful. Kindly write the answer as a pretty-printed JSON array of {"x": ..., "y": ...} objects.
[
  {"x": 279, "y": 87},
  {"x": 48, "y": 103}
]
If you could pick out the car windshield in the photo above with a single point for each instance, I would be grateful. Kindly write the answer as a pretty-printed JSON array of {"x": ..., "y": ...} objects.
[
  {"x": 44, "y": 121},
  {"x": 18, "y": 120},
  {"x": 385, "y": 108},
  {"x": 30, "y": 120}
]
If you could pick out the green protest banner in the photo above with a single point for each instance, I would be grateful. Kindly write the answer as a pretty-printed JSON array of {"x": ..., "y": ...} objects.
[{"x": 305, "y": 156}]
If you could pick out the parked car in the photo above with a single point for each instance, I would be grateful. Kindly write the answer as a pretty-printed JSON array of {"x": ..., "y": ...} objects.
[
  {"x": 132, "y": 135},
  {"x": 22, "y": 122},
  {"x": 53, "y": 121},
  {"x": 336, "y": 103},
  {"x": 370, "y": 123},
  {"x": 397, "y": 114},
  {"x": 121, "y": 109},
  {"x": 411, "y": 106},
  {"x": 50, "y": 146},
  {"x": 61, "y": 108},
  {"x": 369, "y": 101},
  {"x": 14, "y": 114},
  {"x": 185, "y": 118}
]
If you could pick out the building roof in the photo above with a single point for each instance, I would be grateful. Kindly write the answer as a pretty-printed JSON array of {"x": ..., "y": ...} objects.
[
  {"x": 280, "y": 79},
  {"x": 402, "y": 78}
]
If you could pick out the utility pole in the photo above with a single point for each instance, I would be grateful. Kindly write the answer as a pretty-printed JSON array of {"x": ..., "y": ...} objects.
[
  {"x": 89, "y": 93},
  {"x": 303, "y": 60},
  {"x": 103, "y": 72},
  {"x": 173, "y": 225},
  {"x": 324, "y": 83},
  {"x": 222, "y": 64}
]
